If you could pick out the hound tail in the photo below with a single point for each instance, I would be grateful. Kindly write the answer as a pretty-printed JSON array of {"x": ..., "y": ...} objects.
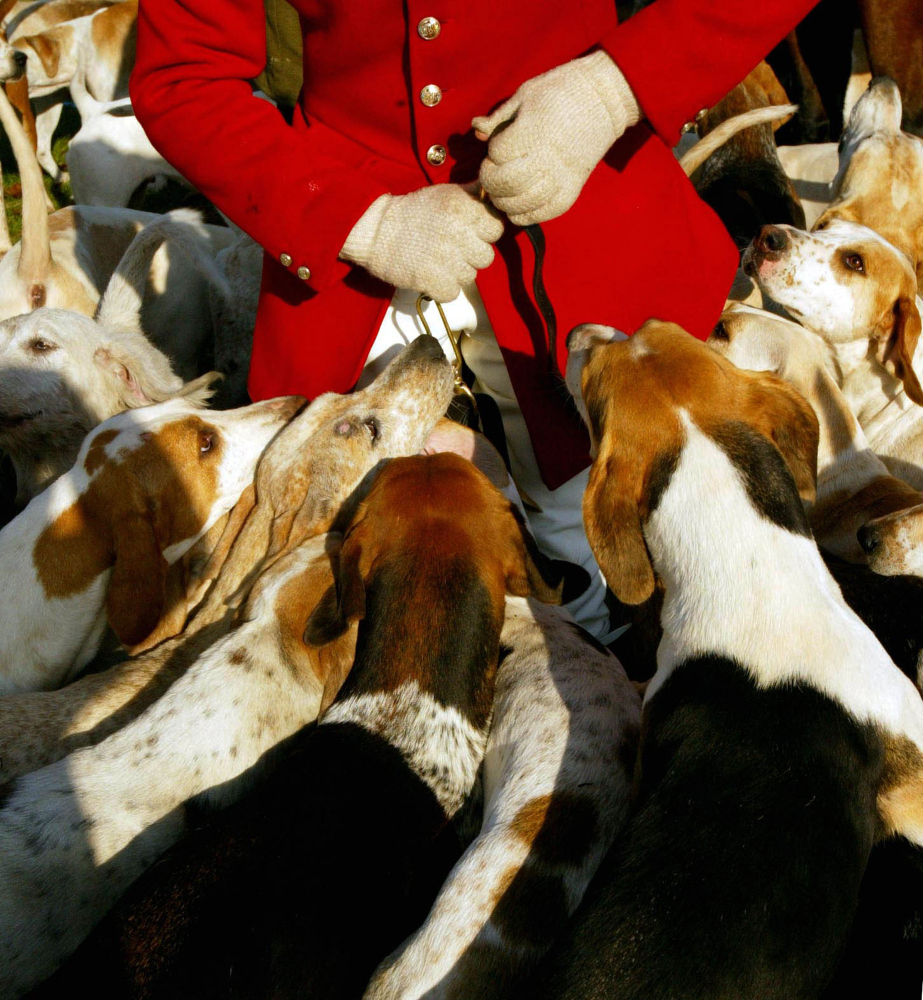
[{"x": 700, "y": 152}]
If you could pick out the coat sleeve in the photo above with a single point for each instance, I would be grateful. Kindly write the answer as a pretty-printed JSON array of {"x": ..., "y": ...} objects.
[
  {"x": 190, "y": 89},
  {"x": 684, "y": 55}
]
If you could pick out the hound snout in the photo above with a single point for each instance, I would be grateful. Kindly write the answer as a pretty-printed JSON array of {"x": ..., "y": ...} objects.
[
  {"x": 880, "y": 109},
  {"x": 587, "y": 334},
  {"x": 20, "y": 59},
  {"x": 771, "y": 242},
  {"x": 868, "y": 539}
]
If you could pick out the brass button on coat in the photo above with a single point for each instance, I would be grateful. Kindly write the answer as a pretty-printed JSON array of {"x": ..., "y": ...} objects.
[
  {"x": 436, "y": 155},
  {"x": 431, "y": 95},
  {"x": 285, "y": 260},
  {"x": 429, "y": 28},
  {"x": 303, "y": 272}
]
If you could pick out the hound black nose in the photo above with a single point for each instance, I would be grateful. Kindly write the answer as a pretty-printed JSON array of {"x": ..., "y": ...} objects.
[
  {"x": 868, "y": 539},
  {"x": 20, "y": 58},
  {"x": 720, "y": 332},
  {"x": 771, "y": 239}
]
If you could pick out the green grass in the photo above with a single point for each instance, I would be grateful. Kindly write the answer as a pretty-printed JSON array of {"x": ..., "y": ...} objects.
[{"x": 171, "y": 195}]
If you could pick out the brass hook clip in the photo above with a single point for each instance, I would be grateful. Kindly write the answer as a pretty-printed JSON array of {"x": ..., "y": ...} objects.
[{"x": 460, "y": 387}]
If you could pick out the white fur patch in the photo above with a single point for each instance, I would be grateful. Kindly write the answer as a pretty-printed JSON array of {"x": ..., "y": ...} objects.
[
  {"x": 742, "y": 587},
  {"x": 440, "y": 744},
  {"x": 74, "y": 835}
]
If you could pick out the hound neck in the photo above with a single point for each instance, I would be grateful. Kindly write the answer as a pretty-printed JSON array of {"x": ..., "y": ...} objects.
[
  {"x": 845, "y": 460},
  {"x": 875, "y": 396},
  {"x": 741, "y": 585},
  {"x": 419, "y": 680}
]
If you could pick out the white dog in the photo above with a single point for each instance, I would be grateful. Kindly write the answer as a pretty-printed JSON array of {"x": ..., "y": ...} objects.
[{"x": 62, "y": 373}]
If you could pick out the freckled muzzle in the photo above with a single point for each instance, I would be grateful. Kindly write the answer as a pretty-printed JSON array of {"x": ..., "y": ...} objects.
[
  {"x": 770, "y": 244},
  {"x": 410, "y": 395},
  {"x": 893, "y": 543}
]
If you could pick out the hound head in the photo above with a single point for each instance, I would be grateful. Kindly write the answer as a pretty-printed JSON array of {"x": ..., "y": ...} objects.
[
  {"x": 639, "y": 396},
  {"x": 147, "y": 484},
  {"x": 847, "y": 284}
]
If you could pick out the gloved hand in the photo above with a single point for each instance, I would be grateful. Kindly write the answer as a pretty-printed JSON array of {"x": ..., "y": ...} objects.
[
  {"x": 432, "y": 240},
  {"x": 562, "y": 124}
]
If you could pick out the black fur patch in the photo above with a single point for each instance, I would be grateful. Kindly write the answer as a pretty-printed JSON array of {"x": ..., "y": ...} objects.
[
  {"x": 659, "y": 477},
  {"x": 767, "y": 479},
  {"x": 739, "y": 871}
]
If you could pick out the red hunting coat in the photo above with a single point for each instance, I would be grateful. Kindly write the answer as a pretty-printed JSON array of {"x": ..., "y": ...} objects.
[{"x": 637, "y": 243}]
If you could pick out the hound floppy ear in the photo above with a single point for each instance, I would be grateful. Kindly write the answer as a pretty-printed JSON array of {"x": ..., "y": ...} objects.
[
  {"x": 344, "y": 604},
  {"x": 781, "y": 414},
  {"x": 530, "y": 573},
  {"x": 612, "y": 518},
  {"x": 141, "y": 373},
  {"x": 897, "y": 342},
  {"x": 136, "y": 599},
  {"x": 47, "y": 49}
]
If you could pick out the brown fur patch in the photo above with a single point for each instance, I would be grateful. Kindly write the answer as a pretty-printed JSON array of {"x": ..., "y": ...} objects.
[
  {"x": 47, "y": 48},
  {"x": 160, "y": 494},
  {"x": 329, "y": 662},
  {"x": 900, "y": 796},
  {"x": 847, "y": 512},
  {"x": 560, "y": 828},
  {"x": 96, "y": 455},
  {"x": 864, "y": 193},
  {"x": 113, "y": 33}
]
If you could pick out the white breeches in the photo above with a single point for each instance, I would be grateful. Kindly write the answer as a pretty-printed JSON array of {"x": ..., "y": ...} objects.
[{"x": 559, "y": 527}]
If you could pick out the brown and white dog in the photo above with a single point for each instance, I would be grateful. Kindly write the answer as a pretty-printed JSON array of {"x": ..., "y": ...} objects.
[
  {"x": 102, "y": 40},
  {"x": 859, "y": 293},
  {"x": 305, "y": 474},
  {"x": 779, "y": 741},
  {"x": 300, "y": 887},
  {"x": 62, "y": 373},
  {"x": 554, "y": 786},
  {"x": 255, "y": 687},
  {"x": 879, "y": 183},
  {"x": 96, "y": 545},
  {"x": 853, "y": 485},
  {"x": 556, "y": 782}
]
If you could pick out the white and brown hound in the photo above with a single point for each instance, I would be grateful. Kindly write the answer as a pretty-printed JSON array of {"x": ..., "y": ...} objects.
[
  {"x": 859, "y": 293},
  {"x": 779, "y": 741},
  {"x": 324, "y": 851},
  {"x": 95, "y": 546}
]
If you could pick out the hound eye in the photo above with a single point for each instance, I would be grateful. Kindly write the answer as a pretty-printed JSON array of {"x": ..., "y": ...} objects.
[
  {"x": 373, "y": 427},
  {"x": 206, "y": 442},
  {"x": 854, "y": 262},
  {"x": 39, "y": 346}
]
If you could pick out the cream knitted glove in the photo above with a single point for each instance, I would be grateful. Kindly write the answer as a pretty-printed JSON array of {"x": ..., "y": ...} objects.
[
  {"x": 431, "y": 240},
  {"x": 561, "y": 124}
]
